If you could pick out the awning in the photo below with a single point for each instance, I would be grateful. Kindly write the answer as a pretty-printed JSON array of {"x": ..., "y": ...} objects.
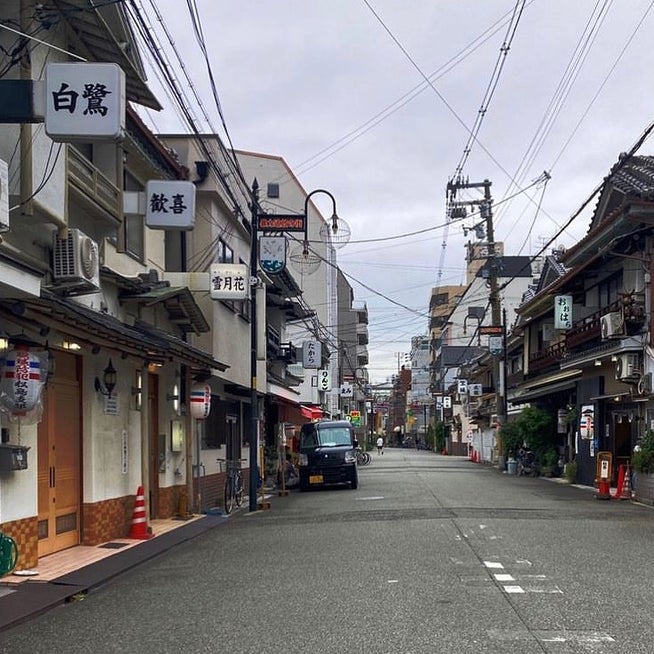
[
  {"x": 617, "y": 397},
  {"x": 179, "y": 303},
  {"x": 80, "y": 322},
  {"x": 311, "y": 412},
  {"x": 529, "y": 396},
  {"x": 284, "y": 393}
]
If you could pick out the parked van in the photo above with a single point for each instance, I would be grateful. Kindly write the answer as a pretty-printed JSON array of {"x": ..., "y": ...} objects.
[{"x": 327, "y": 454}]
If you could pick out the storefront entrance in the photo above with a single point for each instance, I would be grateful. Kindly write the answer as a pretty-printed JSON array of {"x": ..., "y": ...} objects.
[{"x": 59, "y": 445}]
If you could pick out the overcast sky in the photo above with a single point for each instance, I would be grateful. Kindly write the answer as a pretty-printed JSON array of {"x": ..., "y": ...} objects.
[{"x": 339, "y": 89}]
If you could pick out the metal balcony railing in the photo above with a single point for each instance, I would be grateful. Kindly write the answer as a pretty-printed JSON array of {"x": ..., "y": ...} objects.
[{"x": 93, "y": 186}]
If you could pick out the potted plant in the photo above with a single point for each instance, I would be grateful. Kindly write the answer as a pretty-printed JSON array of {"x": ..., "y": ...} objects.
[
  {"x": 549, "y": 463},
  {"x": 570, "y": 471},
  {"x": 642, "y": 462}
]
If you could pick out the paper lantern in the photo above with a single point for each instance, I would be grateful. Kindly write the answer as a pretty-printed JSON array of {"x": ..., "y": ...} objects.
[
  {"x": 200, "y": 401},
  {"x": 21, "y": 380}
]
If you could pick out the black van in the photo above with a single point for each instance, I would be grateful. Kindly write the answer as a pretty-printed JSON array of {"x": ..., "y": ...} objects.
[{"x": 327, "y": 454}]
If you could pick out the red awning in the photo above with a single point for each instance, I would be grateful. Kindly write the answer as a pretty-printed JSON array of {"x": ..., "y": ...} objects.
[{"x": 311, "y": 412}]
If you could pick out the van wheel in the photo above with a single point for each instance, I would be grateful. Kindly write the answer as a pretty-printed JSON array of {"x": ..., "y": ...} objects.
[
  {"x": 304, "y": 486},
  {"x": 354, "y": 483}
]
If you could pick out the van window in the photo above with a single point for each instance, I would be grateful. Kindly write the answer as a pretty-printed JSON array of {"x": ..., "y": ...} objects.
[{"x": 329, "y": 437}]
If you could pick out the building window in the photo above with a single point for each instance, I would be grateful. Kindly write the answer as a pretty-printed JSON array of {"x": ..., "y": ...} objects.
[
  {"x": 134, "y": 225},
  {"x": 225, "y": 254},
  {"x": 272, "y": 190}
]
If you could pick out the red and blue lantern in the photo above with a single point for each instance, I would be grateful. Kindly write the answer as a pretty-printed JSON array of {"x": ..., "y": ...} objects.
[{"x": 200, "y": 401}]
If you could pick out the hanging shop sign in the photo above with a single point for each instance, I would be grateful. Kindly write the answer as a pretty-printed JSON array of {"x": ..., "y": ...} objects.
[
  {"x": 84, "y": 101},
  {"x": 311, "y": 354},
  {"x": 563, "y": 312},
  {"x": 229, "y": 281},
  {"x": 170, "y": 204}
]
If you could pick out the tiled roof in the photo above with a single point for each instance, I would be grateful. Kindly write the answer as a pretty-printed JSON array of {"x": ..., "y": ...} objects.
[{"x": 635, "y": 178}]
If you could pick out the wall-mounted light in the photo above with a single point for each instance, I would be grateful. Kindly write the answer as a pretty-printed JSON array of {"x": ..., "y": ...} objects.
[
  {"x": 71, "y": 345},
  {"x": 598, "y": 362},
  {"x": 137, "y": 390},
  {"x": 108, "y": 383},
  {"x": 174, "y": 398}
]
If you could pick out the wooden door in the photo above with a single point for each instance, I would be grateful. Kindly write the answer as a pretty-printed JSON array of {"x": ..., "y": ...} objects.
[{"x": 59, "y": 444}]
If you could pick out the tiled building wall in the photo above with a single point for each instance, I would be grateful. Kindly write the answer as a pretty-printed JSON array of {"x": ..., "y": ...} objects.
[
  {"x": 105, "y": 520},
  {"x": 25, "y": 533}
]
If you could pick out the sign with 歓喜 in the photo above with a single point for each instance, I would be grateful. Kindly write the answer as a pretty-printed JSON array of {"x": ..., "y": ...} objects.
[
  {"x": 84, "y": 101},
  {"x": 170, "y": 204},
  {"x": 229, "y": 281}
]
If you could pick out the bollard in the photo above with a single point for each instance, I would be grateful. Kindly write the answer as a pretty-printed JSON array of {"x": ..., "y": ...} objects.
[{"x": 8, "y": 554}]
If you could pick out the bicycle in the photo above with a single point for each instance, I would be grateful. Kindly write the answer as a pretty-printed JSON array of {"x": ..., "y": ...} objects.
[
  {"x": 233, "y": 492},
  {"x": 363, "y": 458}
]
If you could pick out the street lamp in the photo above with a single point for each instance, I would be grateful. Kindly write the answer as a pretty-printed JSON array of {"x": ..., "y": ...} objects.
[
  {"x": 338, "y": 232},
  {"x": 305, "y": 258}
]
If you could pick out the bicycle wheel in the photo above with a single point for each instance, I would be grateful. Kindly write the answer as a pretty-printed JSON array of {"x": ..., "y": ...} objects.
[
  {"x": 366, "y": 458},
  {"x": 238, "y": 492},
  {"x": 229, "y": 495}
]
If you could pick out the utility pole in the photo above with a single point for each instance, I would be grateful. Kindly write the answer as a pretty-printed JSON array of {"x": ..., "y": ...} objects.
[{"x": 486, "y": 212}]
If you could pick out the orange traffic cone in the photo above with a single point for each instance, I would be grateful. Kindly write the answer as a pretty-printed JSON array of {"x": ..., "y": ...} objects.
[
  {"x": 139, "y": 528},
  {"x": 625, "y": 493}
]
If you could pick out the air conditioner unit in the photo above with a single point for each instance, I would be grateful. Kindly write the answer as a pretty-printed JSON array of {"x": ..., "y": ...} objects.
[
  {"x": 612, "y": 325},
  {"x": 76, "y": 263},
  {"x": 627, "y": 367}
]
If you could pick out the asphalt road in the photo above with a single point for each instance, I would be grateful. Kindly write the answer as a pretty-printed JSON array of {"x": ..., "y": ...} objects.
[{"x": 429, "y": 554}]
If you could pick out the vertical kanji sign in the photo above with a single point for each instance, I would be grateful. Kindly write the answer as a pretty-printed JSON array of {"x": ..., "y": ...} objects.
[
  {"x": 311, "y": 354},
  {"x": 324, "y": 380},
  {"x": 84, "y": 101},
  {"x": 563, "y": 312}
]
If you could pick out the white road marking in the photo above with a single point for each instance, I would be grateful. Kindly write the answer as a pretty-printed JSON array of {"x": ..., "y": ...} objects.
[
  {"x": 514, "y": 589},
  {"x": 367, "y": 499},
  {"x": 494, "y": 565},
  {"x": 393, "y": 581},
  {"x": 501, "y": 577},
  {"x": 550, "y": 591}
]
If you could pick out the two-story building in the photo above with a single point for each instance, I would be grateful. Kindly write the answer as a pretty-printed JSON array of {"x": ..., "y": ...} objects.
[{"x": 585, "y": 330}]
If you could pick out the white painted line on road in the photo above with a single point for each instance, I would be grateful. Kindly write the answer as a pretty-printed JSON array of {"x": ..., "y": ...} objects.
[
  {"x": 393, "y": 581},
  {"x": 514, "y": 589},
  {"x": 548, "y": 591},
  {"x": 523, "y": 562},
  {"x": 368, "y": 499},
  {"x": 501, "y": 577},
  {"x": 579, "y": 638},
  {"x": 494, "y": 565}
]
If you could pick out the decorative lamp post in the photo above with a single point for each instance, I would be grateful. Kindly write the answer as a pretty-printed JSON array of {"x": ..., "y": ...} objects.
[{"x": 306, "y": 262}]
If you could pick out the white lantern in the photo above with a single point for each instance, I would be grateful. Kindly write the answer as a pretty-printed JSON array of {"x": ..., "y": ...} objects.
[
  {"x": 200, "y": 401},
  {"x": 21, "y": 380}
]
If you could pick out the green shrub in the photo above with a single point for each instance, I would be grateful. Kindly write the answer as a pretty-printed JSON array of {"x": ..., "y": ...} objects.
[{"x": 643, "y": 460}]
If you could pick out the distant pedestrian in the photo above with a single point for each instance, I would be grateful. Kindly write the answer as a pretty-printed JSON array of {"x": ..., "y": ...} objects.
[{"x": 380, "y": 445}]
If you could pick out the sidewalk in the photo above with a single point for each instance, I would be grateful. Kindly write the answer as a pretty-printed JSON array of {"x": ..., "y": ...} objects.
[{"x": 80, "y": 569}]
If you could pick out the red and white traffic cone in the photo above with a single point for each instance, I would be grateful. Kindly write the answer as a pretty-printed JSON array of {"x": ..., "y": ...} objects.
[{"x": 139, "y": 528}]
